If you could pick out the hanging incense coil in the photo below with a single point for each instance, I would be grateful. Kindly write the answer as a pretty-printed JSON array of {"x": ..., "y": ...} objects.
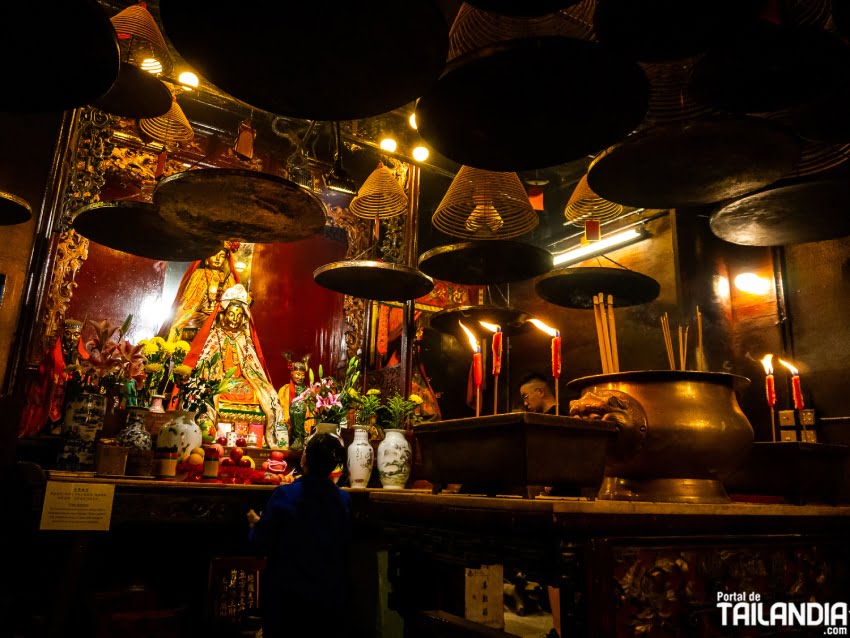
[
  {"x": 669, "y": 97},
  {"x": 485, "y": 205},
  {"x": 520, "y": 8},
  {"x": 474, "y": 29},
  {"x": 380, "y": 197},
  {"x": 141, "y": 40},
  {"x": 482, "y": 112},
  {"x": 815, "y": 156},
  {"x": 169, "y": 128},
  {"x": 585, "y": 205}
]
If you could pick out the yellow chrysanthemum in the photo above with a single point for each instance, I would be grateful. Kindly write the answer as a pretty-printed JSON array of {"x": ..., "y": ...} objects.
[
  {"x": 142, "y": 342},
  {"x": 150, "y": 349},
  {"x": 373, "y": 391},
  {"x": 158, "y": 341},
  {"x": 182, "y": 345},
  {"x": 353, "y": 393},
  {"x": 183, "y": 370},
  {"x": 168, "y": 347},
  {"x": 153, "y": 368},
  {"x": 416, "y": 399}
]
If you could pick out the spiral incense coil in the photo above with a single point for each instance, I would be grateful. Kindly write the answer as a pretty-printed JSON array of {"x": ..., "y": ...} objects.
[
  {"x": 380, "y": 197},
  {"x": 669, "y": 98},
  {"x": 586, "y": 205},
  {"x": 817, "y": 13},
  {"x": 475, "y": 29},
  {"x": 485, "y": 205},
  {"x": 169, "y": 128},
  {"x": 815, "y": 157},
  {"x": 141, "y": 39}
]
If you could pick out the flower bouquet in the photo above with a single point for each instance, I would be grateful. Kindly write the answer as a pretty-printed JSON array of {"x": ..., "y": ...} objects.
[
  {"x": 196, "y": 392},
  {"x": 163, "y": 365},
  {"x": 108, "y": 362},
  {"x": 327, "y": 400},
  {"x": 398, "y": 413}
]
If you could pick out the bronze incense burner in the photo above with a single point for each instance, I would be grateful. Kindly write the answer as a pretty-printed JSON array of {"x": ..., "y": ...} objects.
[{"x": 680, "y": 433}]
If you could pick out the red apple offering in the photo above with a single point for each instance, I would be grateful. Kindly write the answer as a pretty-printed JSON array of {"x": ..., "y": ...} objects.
[
  {"x": 237, "y": 453},
  {"x": 226, "y": 461},
  {"x": 222, "y": 441},
  {"x": 241, "y": 441},
  {"x": 219, "y": 449},
  {"x": 246, "y": 461},
  {"x": 276, "y": 455}
]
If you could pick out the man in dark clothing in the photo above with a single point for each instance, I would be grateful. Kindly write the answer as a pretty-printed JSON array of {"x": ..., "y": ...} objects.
[
  {"x": 305, "y": 532},
  {"x": 536, "y": 394}
]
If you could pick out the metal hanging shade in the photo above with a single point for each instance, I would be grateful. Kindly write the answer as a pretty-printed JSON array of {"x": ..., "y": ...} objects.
[
  {"x": 136, "y": 94},
  {"x": 237, "y": 204},
  {"x": 380, "y": 197},
  {"x": 13, "y": 209},
  {"x": 142, "y": 43},
  {"x": 512, "y": 321},
  {"x": 668, "y": 30},
  {"x": 483, "y": 204},
  {"x": 168, "y": 129},
  {"x": 795, "y": 212},
  {"x": 495, "y": 108},
  {"x": 58, "y": 56},
  {"x": 769, "y": 67},
  {"x": 370, "y": 279},
  {"x": 378, "y": 55},
  {"x": 687, "y": 153},
  {"x": 574, "y": 287},
  {"x": 137, "y": 228}
]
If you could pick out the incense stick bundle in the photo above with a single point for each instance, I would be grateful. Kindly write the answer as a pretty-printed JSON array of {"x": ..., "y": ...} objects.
[
  {"x": 612, "y": 329},
  {"x": 668, "y": 341},
  {"x": 597, "y": 314},
  {"x": 606, "y": 332},
  {"x": 701, "y": 363}
]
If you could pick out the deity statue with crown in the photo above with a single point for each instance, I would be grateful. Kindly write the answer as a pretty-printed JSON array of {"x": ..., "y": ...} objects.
[{"x": 228, "y": 340}]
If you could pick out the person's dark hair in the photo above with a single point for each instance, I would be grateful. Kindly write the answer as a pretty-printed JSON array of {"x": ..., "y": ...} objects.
[
  {"x": 324, "y": 452},
  {"x": 535, "y": 376}
]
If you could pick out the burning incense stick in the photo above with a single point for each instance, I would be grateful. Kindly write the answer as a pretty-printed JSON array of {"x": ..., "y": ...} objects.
[
  {"x": 597, "y": 314},
  {"x": 668, "y": 341},
  {"x": 606, "y": 335},
  {"x": 701, "y": 363},
  {"x": 613, "y": 331}
]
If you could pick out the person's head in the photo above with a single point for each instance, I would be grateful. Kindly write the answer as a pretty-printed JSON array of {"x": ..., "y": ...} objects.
[
  {"x": 234, "y": 316},
  {"x": 299, "y": 372},
  {"x": 217, "y": 261},
  {"x": 323, "y": 453},
  {"x": 536, "y": 393}
]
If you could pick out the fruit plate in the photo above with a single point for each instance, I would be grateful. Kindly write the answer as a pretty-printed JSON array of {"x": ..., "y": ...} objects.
[{"x": 515, "y": 449}]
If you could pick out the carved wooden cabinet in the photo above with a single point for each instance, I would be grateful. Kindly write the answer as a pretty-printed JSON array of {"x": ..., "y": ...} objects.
[{"x": 623, "y": 569}]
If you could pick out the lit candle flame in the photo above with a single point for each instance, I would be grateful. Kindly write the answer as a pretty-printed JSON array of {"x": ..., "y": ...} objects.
[
  {"x": 542, "y": 326},
  {"x": 767, "y": 362},
  {"x": 473, "y": 342},
  {"x": 492, "y": 327},
  {"x": 791, "y": 369}
]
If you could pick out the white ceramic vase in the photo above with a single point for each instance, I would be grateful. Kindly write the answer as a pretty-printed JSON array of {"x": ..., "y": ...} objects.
[
  {"x": 180, "y": 432},
  {"x": 360, "y": 458},
  {"x": 394, "y": 460}
]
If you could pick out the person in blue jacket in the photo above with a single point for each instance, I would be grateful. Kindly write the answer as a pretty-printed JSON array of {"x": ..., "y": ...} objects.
[{"x": 305, "y": 532}]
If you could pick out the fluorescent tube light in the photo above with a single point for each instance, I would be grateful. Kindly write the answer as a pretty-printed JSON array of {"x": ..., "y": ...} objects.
[{"x": 617, "y": 240}]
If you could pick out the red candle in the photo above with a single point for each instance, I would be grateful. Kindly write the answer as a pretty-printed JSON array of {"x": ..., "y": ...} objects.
[
  {"x": 497, "y": 351},
  {"x": 798, "y": 392},
  {"x": 477, "y": 371},
  {"x": 556, "y": 355},
  {"x": 771, "y": 391}
]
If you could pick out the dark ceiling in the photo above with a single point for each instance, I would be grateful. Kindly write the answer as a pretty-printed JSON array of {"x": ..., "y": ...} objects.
[{"x": 210, "y": 107}]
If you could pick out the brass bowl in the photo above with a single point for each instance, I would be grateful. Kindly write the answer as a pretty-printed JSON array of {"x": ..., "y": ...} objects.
[{"x": 680, "y": 432}]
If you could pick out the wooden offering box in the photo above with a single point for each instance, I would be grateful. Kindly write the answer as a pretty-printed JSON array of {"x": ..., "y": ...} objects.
[{"x": 514, "y": 450}]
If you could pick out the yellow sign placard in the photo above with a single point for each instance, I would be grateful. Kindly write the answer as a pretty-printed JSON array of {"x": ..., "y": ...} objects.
[{"x": 77, "y": 506}]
